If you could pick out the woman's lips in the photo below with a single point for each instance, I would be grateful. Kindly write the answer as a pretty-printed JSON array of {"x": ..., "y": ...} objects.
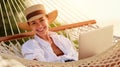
[{"x": 40, "y": 29}]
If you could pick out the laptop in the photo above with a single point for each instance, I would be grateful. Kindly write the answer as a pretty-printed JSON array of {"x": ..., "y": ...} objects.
[{"x": 95, "y": 42}]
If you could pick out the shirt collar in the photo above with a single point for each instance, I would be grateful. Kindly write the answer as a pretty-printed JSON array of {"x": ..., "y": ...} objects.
[{"x": 41, "y": 42}]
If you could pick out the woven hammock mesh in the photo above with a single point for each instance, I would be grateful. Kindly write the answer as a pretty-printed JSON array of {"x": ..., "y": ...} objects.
[
  {"x": 109, "y": 58},
  {"x": 11, "y": 13}
]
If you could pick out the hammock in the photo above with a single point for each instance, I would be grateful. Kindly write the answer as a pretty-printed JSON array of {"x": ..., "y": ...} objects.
[
  {"x": 109, "y": 58},
  {"x": 10, "y": 43}
]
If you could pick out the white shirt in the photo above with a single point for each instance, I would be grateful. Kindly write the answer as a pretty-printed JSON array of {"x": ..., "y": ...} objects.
[{"x": 41, "y": 50}]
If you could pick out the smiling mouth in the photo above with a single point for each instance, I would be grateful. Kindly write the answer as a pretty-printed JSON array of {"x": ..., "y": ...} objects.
[{"x": 41, "y": 29}]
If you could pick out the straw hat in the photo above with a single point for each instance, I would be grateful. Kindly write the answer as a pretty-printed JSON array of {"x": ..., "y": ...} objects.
[{"x": 36, "y": 12}]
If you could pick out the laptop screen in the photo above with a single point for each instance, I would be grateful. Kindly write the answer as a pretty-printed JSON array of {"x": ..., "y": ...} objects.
[{"x": 95, "y": 41}]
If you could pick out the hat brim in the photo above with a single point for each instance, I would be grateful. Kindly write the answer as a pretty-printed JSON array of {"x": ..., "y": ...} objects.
[{"x": 51, "y": 17}]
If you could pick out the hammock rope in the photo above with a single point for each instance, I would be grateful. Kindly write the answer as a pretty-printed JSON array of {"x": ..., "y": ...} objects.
[
  {"x": 109, "y": 58},
  {"x": 3, "y": 21}
]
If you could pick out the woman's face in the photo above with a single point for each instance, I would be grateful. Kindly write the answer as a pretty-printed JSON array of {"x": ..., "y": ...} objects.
[{"x": 40, "y": 26}]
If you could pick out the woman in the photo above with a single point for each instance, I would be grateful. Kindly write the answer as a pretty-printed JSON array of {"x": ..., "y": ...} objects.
[{"x": 46, "y": 46}]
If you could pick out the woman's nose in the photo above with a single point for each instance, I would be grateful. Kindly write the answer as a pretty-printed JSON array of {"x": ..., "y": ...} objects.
[{"x": 39, "y": 24}]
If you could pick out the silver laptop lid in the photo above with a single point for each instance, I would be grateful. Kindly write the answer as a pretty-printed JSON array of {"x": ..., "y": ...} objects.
[{"x": 95, "y": 41}]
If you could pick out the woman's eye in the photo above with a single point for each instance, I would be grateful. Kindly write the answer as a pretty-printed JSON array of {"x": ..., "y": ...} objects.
[
  {"x": 33, "y": 23},
  {"x": 42, "y": 20}
]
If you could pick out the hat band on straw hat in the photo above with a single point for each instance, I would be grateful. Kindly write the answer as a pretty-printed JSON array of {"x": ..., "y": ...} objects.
[
  {"x": 51, "y": 17},
  {"x": 35, "y": 13}
]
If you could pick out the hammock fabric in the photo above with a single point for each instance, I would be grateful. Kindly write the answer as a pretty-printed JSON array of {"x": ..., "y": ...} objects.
[{"x": 109, "y": 58}]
